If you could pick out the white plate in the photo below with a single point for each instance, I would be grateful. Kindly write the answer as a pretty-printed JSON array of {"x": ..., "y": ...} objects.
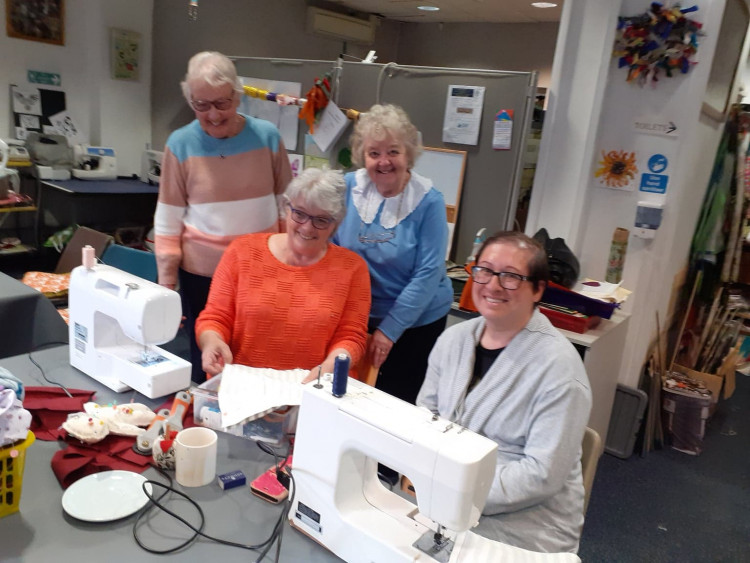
[{"x": 105, "y": 496}]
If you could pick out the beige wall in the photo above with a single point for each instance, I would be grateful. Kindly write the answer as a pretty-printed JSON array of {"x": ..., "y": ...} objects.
[
  {"x": 249, "y": 28},
  {"x": 259, "y": 28},
  {"x": 518, "y": 47}
]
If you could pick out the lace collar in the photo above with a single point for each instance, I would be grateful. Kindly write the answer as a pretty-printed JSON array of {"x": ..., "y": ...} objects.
[{"x": 367, "y": 199}]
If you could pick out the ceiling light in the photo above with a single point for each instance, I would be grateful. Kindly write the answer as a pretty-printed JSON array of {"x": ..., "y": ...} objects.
[
  {"x": 428, "y": 8},
  {"x": 544, "y": 4}
]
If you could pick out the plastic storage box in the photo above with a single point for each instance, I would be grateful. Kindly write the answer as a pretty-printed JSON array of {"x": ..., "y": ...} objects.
[
  {"x": 625, "y": 422},
  {"x": 686, "y": 407},
  {"x": 12, "y": 459},
  {"x": 273, "y": 428}
]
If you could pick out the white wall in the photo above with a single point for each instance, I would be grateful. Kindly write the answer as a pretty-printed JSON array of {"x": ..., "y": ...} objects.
[
  {"x": 115, "y": 112},
  {"x": 650, "y": 266}
]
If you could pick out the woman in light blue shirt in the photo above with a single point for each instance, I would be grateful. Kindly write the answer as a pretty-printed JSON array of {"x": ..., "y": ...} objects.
[{"x": 396, "y": 221}]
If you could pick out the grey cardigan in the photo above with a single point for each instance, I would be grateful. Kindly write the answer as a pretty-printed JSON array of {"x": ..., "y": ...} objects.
[{"x": 534, "y": 402}]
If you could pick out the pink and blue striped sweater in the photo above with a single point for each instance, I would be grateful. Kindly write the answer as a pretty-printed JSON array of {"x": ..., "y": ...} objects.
[{"x": 213, "y": 190}]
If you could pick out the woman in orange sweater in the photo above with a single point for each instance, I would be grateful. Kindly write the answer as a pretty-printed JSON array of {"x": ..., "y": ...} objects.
[{"x": 289, "y": 300}]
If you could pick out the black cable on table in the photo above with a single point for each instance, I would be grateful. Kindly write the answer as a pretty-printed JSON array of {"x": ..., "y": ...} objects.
[
  {"x": 156, "y": 502},
  {"x": 33, "y": 361}
]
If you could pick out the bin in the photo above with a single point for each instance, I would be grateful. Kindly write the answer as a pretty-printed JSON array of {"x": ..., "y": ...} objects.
[
  {"x": 686, "y": 404},
  {"x": 12, "y": 459}
]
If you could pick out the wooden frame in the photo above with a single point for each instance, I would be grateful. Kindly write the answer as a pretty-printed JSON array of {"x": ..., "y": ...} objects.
[
  {"x": 445, "y": 167},
  {"x": 36, "y": 20},
  {"x": 731, "y": 37}
]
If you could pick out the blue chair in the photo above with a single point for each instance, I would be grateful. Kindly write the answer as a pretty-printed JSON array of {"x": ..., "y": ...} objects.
[{"x": 137, "y": 262}]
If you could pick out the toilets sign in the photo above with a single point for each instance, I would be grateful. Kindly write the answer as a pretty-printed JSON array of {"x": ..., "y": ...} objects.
[
  {"x": 661, "y": 127},
  {"x": 655, "y": 182}
]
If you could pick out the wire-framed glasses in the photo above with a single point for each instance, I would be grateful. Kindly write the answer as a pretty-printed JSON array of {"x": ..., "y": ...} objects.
[
  {"x": 204, "y": 105},
  {"x": 508, "y": 280},
  {"x": 318, "y": 221}
]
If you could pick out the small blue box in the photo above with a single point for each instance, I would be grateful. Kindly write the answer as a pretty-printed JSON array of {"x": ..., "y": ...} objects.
[{"x": 231, "y": 480}]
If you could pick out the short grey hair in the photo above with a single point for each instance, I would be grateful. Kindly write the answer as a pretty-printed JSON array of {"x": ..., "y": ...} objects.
[
  {"x": 214, "y": 69},
  {"x": 379, "y": 122},
  {"x": 321, "y": 188}
]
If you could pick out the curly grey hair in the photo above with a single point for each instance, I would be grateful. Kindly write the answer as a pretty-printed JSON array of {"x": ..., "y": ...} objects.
[
  {"x": 321, "y": 188},
  {"x": 214, "y": 69},
  {"x": 379, "y": 122}
]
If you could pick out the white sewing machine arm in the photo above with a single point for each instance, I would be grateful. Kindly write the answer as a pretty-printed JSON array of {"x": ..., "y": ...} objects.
[
  {"x": 339, "y": 501},
  {"x": 116, "y": 319},
  {"x": 148, "y": 313}
]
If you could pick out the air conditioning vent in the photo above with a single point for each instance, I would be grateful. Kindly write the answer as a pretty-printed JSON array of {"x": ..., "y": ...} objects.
[{"x": 331, "y": 24}]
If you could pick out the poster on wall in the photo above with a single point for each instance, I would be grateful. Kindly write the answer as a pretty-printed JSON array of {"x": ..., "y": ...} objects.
[
  {"x": 617, "y": 169},
  {"x": 33, "y": 107},
  {"x": 124, "y": 54},
  {"x": 35, "y": 20},
  {"x": 463, "y": 113}
]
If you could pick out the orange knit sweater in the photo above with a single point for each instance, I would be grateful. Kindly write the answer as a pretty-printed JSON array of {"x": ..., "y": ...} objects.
[{"x": 277, "y": 316}]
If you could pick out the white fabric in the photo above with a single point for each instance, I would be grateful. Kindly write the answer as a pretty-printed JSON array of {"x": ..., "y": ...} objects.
[
  {"x": 248, "y": 393},
  {"x": 14, "y": 419},
  {"x": 367, "y": 199},
  {"x": 122, "y": 420},
  {"x": 472, "y": 547}
]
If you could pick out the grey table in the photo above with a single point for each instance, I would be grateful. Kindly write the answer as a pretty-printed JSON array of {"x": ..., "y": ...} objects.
[
  {"x": 27, "y": 319},
  {"x": 41, "y": 531}
]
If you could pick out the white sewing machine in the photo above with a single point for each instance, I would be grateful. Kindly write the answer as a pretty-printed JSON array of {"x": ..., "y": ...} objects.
[
  {"x": 94, "y": 163},
  {"x": 151, "y": 166},
  {"x": 116, "y": 319},
  {"x": 339, "y": 501}
]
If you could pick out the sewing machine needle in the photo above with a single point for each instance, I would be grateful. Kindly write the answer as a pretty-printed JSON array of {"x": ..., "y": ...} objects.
[{"x": 318, "y": 385}]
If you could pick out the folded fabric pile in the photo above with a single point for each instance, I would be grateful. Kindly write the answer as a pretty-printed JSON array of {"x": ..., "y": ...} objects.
[
  {"x": 51, "y": 285},
  {"x": 14, "y": 419},
  {"x": 97, "y": 421}
]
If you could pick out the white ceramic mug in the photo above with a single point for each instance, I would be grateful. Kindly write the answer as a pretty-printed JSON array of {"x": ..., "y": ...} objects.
[{"x": 195, "y": 456}]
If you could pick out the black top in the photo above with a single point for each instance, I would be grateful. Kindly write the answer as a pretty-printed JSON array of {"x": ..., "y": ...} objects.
[{"x": 482, "y": 363}]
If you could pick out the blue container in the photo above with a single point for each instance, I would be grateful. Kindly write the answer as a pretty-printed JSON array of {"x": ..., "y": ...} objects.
[{"x": 340, "y": 375}]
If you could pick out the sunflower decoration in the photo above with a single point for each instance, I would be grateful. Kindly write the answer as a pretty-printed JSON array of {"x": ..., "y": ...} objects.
[
  {"x": 617, "y": 168},
  {"x": 663, "y": 40}
]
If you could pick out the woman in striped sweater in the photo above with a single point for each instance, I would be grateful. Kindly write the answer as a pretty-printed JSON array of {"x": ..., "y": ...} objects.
[{"x": 221, "y": 177}]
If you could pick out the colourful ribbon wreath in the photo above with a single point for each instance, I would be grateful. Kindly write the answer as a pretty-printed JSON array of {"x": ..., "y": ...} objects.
[{"x": 662, "y": 40}]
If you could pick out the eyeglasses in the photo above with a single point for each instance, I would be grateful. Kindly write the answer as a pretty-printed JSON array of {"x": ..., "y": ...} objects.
[
  {"x": 205, "y": 105},
  {"x": 318, "y": 221},
  {"x": 508, "y": 280}
]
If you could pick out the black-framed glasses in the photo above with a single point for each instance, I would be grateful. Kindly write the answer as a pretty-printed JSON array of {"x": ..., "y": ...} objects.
[
  {"x": 508, "y": 280},
  {"x": 318, "y": 221},
  {"x": 205, "y": 105}
]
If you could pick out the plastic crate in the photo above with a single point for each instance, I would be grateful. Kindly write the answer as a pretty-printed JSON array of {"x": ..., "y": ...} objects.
[
  {"x": 12, "y": 458},
  {"x": 627, "y": 414},
  {"x": 273, "y": 428}
]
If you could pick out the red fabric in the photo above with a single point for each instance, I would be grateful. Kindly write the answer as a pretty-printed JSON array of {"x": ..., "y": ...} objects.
[
  {"x": 78, "y": 459},
  {"x": 50, "y": 407}
]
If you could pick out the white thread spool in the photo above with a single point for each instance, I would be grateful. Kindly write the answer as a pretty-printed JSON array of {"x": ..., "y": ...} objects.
[{"x": 89, "y": 259}]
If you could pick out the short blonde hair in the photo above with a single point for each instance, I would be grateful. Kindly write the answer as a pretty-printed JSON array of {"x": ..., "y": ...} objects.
[
  {"x": 321, "y": 188},
  {"x": 382, "y": 121},
  {"x": 214, "y": 69}
]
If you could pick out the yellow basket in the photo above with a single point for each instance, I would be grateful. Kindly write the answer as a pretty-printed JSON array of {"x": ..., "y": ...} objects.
[{"x": 12, "y": 458}]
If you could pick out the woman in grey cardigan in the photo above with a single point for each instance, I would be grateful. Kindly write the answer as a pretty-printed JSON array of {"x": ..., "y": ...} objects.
[{"x": 511, "y": 376}]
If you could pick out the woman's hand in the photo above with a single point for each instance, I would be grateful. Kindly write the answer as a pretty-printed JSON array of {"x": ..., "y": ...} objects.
[
  {"x": 215, "y": 352},
  {"x": 326, "y": 366},
  {"x": 380, "y": 347}
]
